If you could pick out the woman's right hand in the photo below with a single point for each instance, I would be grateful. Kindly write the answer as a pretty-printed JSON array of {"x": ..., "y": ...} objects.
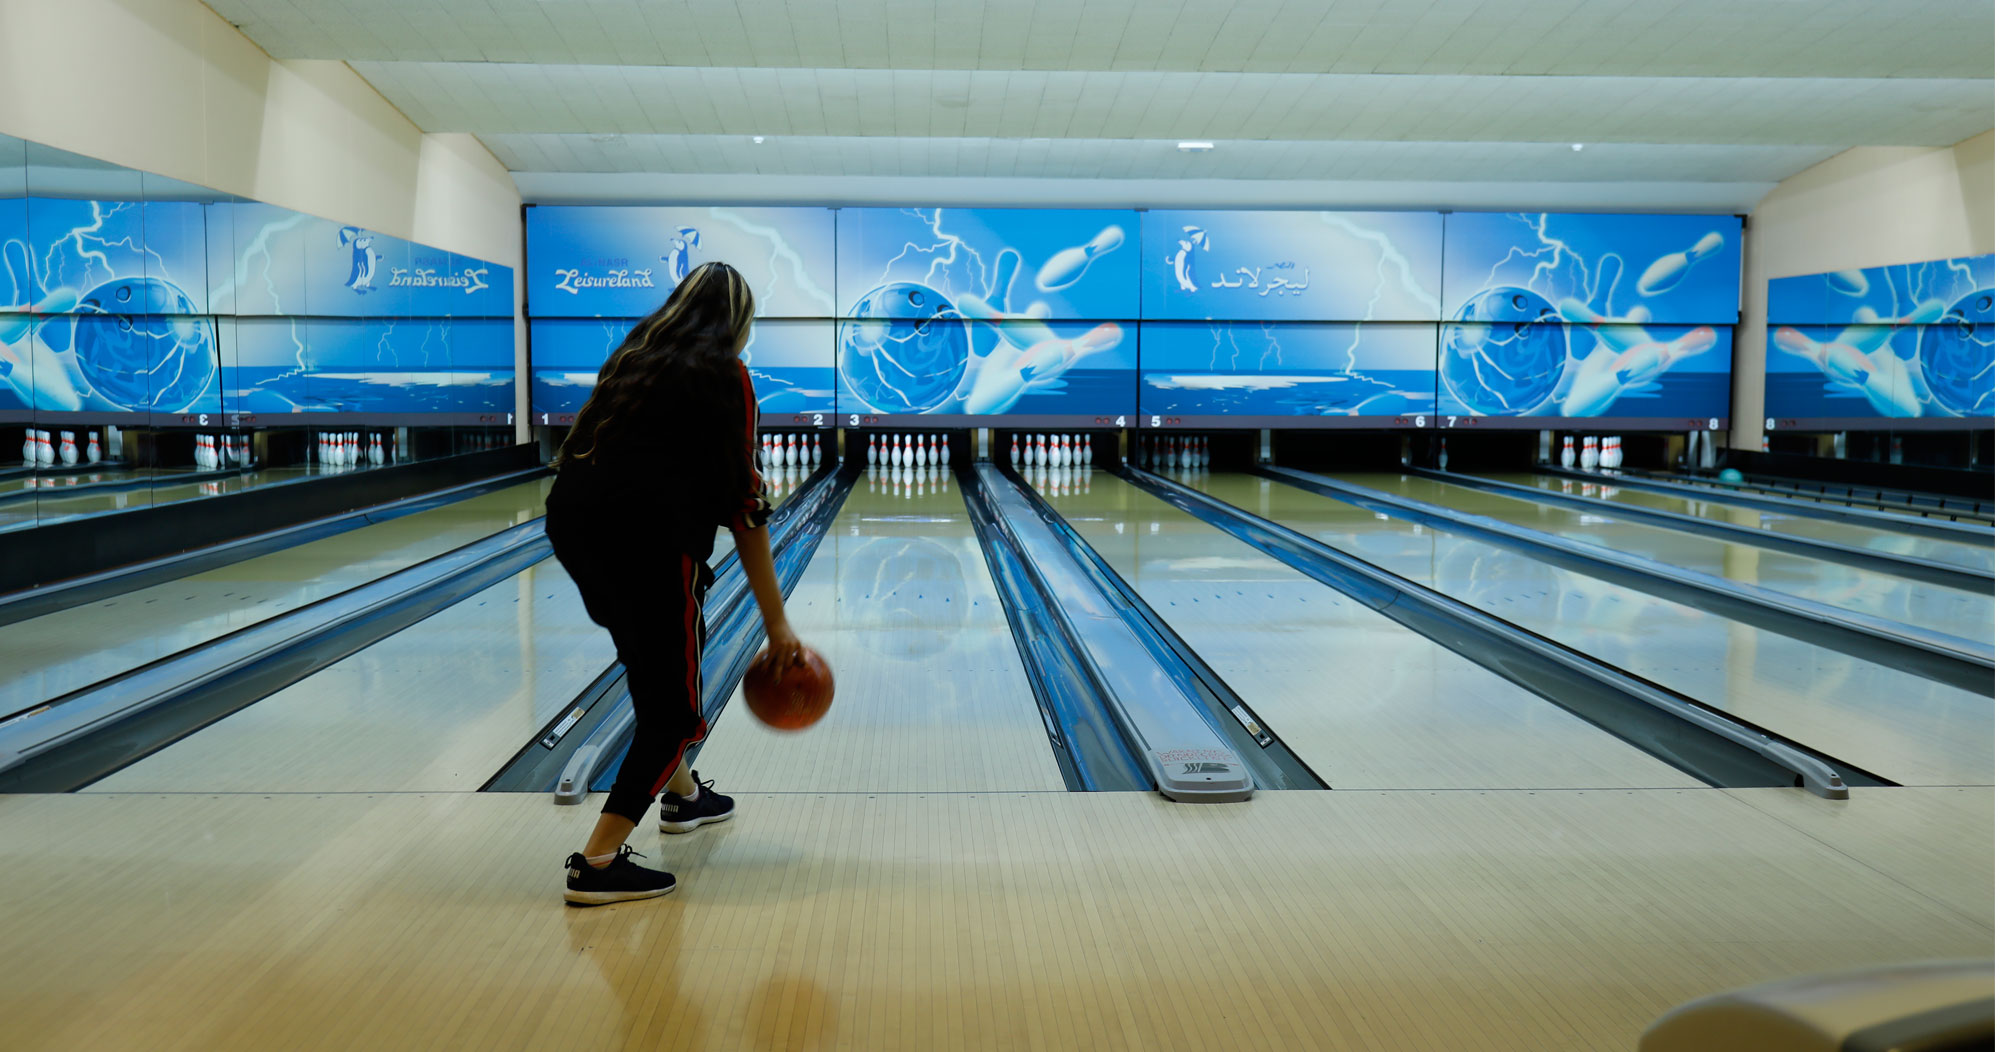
[{"x": 783, "y": 644}]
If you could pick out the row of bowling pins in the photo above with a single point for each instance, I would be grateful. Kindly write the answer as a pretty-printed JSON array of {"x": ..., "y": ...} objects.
[
  {"x": 42, "y": 448},
  {"x": 1610, "y": 455},
  {"x": 342, "y": 449},
  {"x": 789, "y": 450},
  {"x": 907, "y": 482},
  {"x": 909, "y": 451},
  {"x": 1172, "y": 451},
  {"x": 221, "y": 451},
  {"x": 1051, "y": 451}
]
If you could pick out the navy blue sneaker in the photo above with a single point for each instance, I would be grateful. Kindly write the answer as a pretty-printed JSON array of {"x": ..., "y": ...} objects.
[
  {"x": 621, "y": 881},
  {"x": 678, "y": 814}
]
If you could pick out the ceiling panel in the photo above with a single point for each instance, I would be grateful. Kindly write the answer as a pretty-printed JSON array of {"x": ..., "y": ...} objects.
[
  {"x": 1131, "y": 159},
  {"x": 1932, "y": 39},
  {"x": 525, "y": 99}
]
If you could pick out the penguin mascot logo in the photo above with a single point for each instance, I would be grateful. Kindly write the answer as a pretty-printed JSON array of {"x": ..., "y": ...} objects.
[
  {"x": 361, "y": 274},
  {"x": 676, "y": 259}
]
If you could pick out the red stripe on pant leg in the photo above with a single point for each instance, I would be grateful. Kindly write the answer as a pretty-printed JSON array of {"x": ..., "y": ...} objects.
[{"x": 691, "y": 609}]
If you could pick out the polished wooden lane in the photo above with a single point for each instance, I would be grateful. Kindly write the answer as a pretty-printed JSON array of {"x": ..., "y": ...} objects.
[
  {"x": 1379, "y": 920},
  {"x": 1933, "y": 606},
  {"x": 1365, "y": 702},
  {"x": 441, "y": 705},
  {"x": 1900, "y": 726},
  {"x": 1854, "y": 535},
  {"x": 50, "y": 655},
  {"x": 931, "y": 695}
]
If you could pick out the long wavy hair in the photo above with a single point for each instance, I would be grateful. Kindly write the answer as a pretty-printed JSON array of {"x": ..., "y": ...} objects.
[{"x": 673, "y": 382}]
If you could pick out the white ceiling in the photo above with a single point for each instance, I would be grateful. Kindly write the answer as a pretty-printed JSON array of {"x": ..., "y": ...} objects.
[{"x": 1479, "y": 93}]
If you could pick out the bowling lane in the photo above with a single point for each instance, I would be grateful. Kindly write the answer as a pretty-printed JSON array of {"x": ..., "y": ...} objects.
[
  {"x": 56, "y": 653},
  {"x": 931, "y": 693},
  {"x": 437, "y": 707},
  {"x": 1936, "y": 607},
  {"x": 1902, "y": 727},
  {"x": 1853, "y": 535},
  {"x": 55, "y": 503},
  {"x": 1365, "y": 702}
]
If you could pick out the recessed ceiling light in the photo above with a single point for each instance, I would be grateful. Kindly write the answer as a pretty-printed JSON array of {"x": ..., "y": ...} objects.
[
  {"x": 607, "y": 138},
  {"x": 1575, "y": 147},
  {"x": 1196, "y": 147},
  {"x": 757, "y": 138}
]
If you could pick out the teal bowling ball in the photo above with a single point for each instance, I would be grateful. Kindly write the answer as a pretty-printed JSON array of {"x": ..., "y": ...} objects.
[
  {"x": 1730, "y": 475},
  {"x": 1956, "y": 356},
  {"x": 903, "y": 348},
  {"x": 141, "y": 345},
  {"x": 1505, "y": 351}
]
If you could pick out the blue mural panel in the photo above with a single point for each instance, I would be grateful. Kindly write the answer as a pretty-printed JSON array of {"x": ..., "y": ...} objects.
[
  {"x": 1645, "y": 269},
  {"x": 1292, "y": 266},
  {"x": 270, "y": 367},
  {"x": 791, "y": 366},
  {"x": 1540, "y": 368},
  {"x": 177, "y": 248},
  {"x": 1902, "y": 294},
  {"x": 83, "y": 255},
  {"x": 347, "y": 269},
  {"x": 477, "y": 289},
  {"x": 1893, "y": 372},
  {"x": 1911, "y": 341},
  {"x": 989, "y": 264},
  {"x": 946, "y": 365},
  {"x": 266, "y": 275},
  {"x": 565, "y": 354},
  {"x": 482, "y": 364},
  {"x": 1360, "y": 370},
  {"x": 620, "y": 262}
]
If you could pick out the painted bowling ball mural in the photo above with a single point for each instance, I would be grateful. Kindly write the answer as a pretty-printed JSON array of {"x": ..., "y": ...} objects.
[
  {"x": 149, "y": 351},
  {"x": 1504, "y": 352},
  {"x": 904, "y": 348},
  {"x": 1956, "y": 356}
]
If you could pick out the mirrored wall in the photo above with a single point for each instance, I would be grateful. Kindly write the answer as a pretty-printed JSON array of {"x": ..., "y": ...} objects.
[{"x": 162, "y": 342}]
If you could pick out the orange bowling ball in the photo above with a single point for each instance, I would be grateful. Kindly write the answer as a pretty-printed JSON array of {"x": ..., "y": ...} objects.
[{"x": 790, "y": 699}]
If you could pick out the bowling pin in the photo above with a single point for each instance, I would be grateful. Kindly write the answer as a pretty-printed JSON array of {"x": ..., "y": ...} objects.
[
  {"x": 1569, "y": 451},
  {"x": 1589, "y": 453},
  {"x": 69, "y": 447},
  {"x": 28, "y": 447},
  {"x": 1044, "y": 457},
  {"x": 1204, "y": 451},
  {"x": 930, "y": 450},
  {"x": 1066, "y": 268},
  {"x": 1014, "y": 450},
  {"x": 1089, "y": 458},
  {"x": 816, "y": 443},
  {"x": 1667, "y": 271},
  {"x": 944, "y": 451},
  {"x": 1617, "y": 452},
  {"x": 92, "y": 451},
  {"x": 1061, "y": 450},
  {"x": 871, "y": 451},
  {"x": 45, "y": 454}
]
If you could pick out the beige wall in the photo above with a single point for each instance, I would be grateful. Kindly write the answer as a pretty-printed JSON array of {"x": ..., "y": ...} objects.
[
  {"x": 1867, "y": 207},
  {"x": 167, "y": 86}
]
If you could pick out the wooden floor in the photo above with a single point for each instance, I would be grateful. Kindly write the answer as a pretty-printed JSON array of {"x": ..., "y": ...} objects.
[{"x": 1386, "y": 920}]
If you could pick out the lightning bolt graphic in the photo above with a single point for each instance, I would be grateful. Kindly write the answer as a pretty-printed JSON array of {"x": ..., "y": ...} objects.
[{"x": 780, "y": 250}]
